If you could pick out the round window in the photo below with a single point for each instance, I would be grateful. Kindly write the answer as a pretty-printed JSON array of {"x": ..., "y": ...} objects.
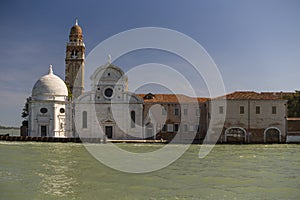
[
  {"x": 62, "y": 110},
  {"x": 108, "y": 92},
  {"x": 44, "y": 110}
]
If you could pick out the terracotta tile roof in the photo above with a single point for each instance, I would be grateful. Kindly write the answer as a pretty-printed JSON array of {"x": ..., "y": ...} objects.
[
  {"x": 293, "y": 119},
  {"x": 238, "y": 95},
  {"x": 203, "y": 99},
  {"x": 170, "y": 98},
  {"x": 250, "y": 95}
]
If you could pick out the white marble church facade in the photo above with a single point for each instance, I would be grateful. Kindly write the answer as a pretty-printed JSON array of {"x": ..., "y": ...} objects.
[
  {"x": 60, "y": 108},
  {"x": 49, "y": 108},
  {"x": 109, "y": 109}
]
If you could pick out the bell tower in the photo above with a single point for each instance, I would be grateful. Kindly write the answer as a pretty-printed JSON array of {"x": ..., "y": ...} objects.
[{"x": 75, "y": 49}]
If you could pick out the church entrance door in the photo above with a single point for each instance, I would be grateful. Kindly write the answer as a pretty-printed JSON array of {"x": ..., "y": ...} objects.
[
  {"x": 108, "y": 131},
  {"x": 43, "y": 131}
]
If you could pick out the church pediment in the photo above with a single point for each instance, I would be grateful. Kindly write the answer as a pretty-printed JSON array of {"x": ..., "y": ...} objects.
[
  {"x": 107, "y": 121},
  {"x": 107, "y": 72}
]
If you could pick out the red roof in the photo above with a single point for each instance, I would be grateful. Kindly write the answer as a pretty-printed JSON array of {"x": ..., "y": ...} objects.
[
  {"x": 170, "y": 98},
  {"x": 238, "y": 95},
  {"x": 293, "y": 119},
  {"x": 250, "y": 95}
]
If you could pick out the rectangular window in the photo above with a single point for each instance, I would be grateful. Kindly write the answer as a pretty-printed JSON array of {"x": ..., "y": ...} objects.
[
  {"x": 274, "y": 110},
  {"x": 221, "y": 109},
  {"x": 185, "y": 111},
  {"x": 84, "y": 119},
  {"x": 197, "y": 112},
  {"x": 257, "y": 110},
  {"x": 191, "y": 128},
  {"x": 176, "y": 111},
  {"x": 164, "y": 128},
  {"x": 170, "y": 127},
  {"x": 164, "y": 111},
  {"x": 176, "y": 127},
  {"x": 242, "y": 110}
]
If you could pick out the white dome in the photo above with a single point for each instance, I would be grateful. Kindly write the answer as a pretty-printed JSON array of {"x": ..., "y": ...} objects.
[{"x": 50, "y": 85}]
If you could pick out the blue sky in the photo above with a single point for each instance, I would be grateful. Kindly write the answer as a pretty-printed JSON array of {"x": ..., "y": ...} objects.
[{"x": 255, "y": 44}]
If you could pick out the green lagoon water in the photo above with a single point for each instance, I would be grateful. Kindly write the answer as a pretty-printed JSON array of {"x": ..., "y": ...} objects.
[{"x": 68, "y": 171}]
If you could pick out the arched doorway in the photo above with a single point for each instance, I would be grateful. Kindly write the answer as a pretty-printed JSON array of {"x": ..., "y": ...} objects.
[
  {"x": 235, "y": 135},
  {"x": 272, "y": 135}
]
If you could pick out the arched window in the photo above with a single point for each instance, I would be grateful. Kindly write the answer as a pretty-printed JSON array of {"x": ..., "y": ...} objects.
[
  {"x": 84, "y": 119},
  {"x": 132, "y": 115}
]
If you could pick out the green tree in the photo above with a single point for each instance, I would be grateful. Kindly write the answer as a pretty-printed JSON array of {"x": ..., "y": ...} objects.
[
  {"x": 25, "y": 112},
  {"x": 294, "y": 104}
]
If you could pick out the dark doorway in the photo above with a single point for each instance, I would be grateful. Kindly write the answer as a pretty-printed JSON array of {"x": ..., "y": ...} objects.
[
  {"x": 43, "y": 131},
  {"x": 272, "y": 135},
  {"x": 108, "y": 131}
]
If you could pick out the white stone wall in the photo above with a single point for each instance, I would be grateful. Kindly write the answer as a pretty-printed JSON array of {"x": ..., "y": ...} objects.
[
  {"x": 54, "y": 120},
  {"x": 100, "y": 115},
  {"x": 112, "y": 111}
]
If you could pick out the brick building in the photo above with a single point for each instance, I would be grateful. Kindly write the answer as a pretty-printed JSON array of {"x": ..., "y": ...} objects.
[
  {"x": 251, "y": 117},
  {"x": 167, "y": 115}
]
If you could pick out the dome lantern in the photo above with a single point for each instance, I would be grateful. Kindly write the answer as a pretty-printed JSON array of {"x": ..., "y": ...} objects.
[{"x": 75, "y": 33}]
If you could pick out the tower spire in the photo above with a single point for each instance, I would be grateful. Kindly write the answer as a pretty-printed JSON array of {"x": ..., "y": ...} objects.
[{"x": 74, "y": 74}]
